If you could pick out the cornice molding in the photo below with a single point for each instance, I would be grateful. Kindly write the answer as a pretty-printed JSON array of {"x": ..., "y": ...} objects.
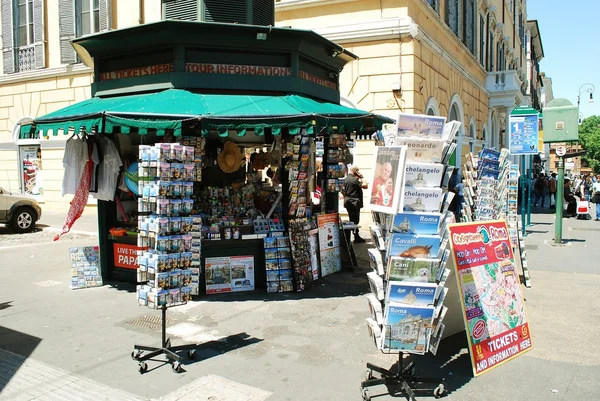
[
  {"x": 288, "y": 5},
  {"x": 68, "y": 70}
]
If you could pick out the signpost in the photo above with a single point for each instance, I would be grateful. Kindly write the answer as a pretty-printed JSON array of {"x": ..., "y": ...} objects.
[{"x": 490, "y": 292}]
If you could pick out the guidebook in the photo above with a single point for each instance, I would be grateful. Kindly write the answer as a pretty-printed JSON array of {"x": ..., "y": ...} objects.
[
  {"x": 423, "y": 174},
  {"x": 420, "y": 126},
  {"x": 421, "y": 200},
  {"x": 411, "y": 269},
  {"x": 407, "y": 328},
  {"x": 422, "y": 150},
  {"x": 417, "y": 223},
  {"x": 413, "y": 246},
  {"x": 414, "y": 294}
]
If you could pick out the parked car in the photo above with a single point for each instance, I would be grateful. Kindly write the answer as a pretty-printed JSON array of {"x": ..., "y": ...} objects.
[{"x": 20, "y": 212}]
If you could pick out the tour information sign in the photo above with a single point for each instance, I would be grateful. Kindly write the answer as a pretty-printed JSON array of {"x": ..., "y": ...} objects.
[
  {"x": 490, "y": 290},
  {"x": 524, "y": 133}
]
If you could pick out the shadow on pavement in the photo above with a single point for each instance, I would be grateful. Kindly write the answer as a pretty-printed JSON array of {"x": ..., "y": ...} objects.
[
  {"x": 16, "y": 348},
  {"x": 5, "y": 230}
]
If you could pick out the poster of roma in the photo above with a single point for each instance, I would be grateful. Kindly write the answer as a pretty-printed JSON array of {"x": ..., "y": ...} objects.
[
  {"x": 387, "y": 179},
  {"x": 490, "y": 290}
]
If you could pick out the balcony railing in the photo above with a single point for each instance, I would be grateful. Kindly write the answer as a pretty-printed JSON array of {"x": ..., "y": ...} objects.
[
  {"x": 503, "y": 81},
  {"x": 26, "y": 56}
]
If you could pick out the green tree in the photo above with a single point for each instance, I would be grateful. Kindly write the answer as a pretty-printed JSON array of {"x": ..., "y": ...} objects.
[{"x": 589, "y": 138}]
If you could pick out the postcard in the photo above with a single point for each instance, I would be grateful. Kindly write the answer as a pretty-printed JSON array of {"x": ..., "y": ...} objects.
[
  {"x": 422, "y": 150},
  {"x": 422, "y": 200},
  {"x": 387, "y": 179},
  {"x": 411, "y": 269},
  {"x": 423, "y": 174},
  {"x": 413, "y": 246},
  {"x": 420, "y": 126},
  {"x": 376, "y": 261},
  {"x": 375, "y": 308},
  {"x": 435, "y": 341},
  {"x": 408, "y": 293},
  {"x": 374, "y": 331},
  {"x": 376, "y": 284},
  {"x": 407, "y": 328},
  {"x": 417, "y": 223}
]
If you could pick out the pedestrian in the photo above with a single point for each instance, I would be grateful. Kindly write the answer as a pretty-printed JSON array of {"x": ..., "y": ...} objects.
[
  {"x": 552, "y": 190},
  {"x": 570, "y": 199},
  {"x": 586, "y": 188},
  {"x": 596, "y": 196},
  {"x": 353, "y": 198},
  {"x": 538, "y": 190}
]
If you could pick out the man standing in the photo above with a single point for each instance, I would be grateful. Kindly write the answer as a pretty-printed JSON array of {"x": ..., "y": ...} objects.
[
  {"x": 552, "y": 189},
  {"x": 353, "y": 198}
]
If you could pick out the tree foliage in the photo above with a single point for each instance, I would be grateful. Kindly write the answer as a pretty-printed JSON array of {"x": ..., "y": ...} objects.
[{"x": 589, "y": 138}]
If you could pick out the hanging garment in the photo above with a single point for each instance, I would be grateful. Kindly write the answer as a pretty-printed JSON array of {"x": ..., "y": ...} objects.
[
  {"x": 94, "y": 156},
  {"x": 109, "y": 170},
  {"x": 79, "y": 200},
  {"x": 74, "y": 160}
]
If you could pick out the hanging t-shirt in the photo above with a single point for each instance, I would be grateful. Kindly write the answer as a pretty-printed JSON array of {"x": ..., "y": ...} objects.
[
  {"x": 74, "y": 159},
  {"x": 108, "y": 170}
]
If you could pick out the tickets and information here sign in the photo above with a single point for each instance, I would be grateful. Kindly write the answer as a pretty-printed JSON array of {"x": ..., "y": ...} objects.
[{"x": 490, "y": 291}]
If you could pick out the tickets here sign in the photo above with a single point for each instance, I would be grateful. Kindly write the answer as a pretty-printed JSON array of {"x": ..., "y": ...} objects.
[{"x": 126, "y": 256}]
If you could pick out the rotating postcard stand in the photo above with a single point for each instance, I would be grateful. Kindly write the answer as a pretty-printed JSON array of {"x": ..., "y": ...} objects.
[
  {"x": 400, "y": 381},
  {"x": 139, "y": 354}
]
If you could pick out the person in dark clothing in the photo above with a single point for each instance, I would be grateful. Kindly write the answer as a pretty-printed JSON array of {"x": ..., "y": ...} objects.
[
  {"x": 353, "y": 197},
  {"x": 570, "y": 199}
]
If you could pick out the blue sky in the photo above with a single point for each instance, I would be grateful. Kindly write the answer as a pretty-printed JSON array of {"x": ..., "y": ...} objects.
[{"x": 569, "y": 30}]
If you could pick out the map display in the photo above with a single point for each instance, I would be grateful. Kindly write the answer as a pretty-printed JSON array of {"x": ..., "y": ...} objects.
[{"x": 489, "y": 286}]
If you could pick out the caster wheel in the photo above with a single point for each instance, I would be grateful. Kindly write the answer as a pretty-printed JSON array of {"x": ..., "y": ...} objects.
[
  {"x": 439, "y": 391},
  {"x": 368, "y": 375},
  {"x": 365, "y": 395},
  {"x": 142, "y": 367},
  {"x": 176, "y": 367},
  {"x": 134, "y": 355},
  {"x": 192, "y": 354},
  {"x": 168, "y": 343}
]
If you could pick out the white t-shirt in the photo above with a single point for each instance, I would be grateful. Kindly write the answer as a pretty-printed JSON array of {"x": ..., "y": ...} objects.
[
  {"x": 596, "y": 187},
  {"x": 76, "y": 155}
]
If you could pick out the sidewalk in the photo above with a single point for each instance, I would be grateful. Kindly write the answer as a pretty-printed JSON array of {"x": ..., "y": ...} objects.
[
  {"x": 281, "y": 347},
  {"x": 87, "y": 224}
]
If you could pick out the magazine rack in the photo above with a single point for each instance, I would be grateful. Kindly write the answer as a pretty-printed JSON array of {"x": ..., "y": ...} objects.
[
  {"x": 399, "y": 382},
  {"x": 170, "y": 352}
]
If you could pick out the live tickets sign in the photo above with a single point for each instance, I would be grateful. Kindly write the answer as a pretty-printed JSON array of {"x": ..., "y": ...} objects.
[{"x": 490, "y": 291}]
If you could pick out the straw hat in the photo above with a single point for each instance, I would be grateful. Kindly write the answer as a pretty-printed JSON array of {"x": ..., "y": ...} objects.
[{"x": 230, "y": 158}]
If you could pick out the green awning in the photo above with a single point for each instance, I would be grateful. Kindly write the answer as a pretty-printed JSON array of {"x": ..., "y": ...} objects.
[{"x": 167, "y": 110}]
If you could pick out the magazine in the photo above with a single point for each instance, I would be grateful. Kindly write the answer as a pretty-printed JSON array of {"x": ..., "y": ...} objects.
[
  {"x": 423, "y": 174},
  {"x": 417, "y": 223},
  {"x": 420, "y": 126},
  {"x": 422, "y": 200},
  {"x": 411, "y": 269},
  {"x": 375, "y": 308},
  {"x": 407, "y": 328},
  {"x": 376, "y": 261},
  {"x": 374, "y": 331},
  {"x": 413, "y": 246},
  {"x": 435, "y": 341},
  {"x": 408, "y": 293},
  {"x": 422, "y": 150},
  {"x": 376, "y": 284}
]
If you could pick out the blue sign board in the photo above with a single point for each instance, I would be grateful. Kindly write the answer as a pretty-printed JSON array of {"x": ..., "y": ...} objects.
[{"x": 523, "y": 139}]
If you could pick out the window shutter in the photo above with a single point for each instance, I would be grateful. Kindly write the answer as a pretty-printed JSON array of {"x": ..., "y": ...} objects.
[
  {"x": 104, "y": 10},
  {"x": 8, "y": 44},
  {"x": 232, "y": 11},
  {"x": 67, "y": 31},
  {"x": 185, "y": 10},
  {"x": 451, "y": 15},
  {"x": 38, "y": 33}
]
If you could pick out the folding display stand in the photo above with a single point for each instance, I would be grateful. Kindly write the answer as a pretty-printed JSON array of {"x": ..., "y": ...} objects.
[
  {"x": 403, "y": 379},
  {"x": 165, "y": 348}
]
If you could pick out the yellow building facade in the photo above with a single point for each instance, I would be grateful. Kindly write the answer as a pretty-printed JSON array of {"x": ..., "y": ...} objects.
[
  {"x": 461, "y": 59},
  {"x": 41, "y": 74}
]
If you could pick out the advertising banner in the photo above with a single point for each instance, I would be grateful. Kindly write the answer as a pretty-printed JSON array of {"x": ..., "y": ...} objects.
[
  {"x": 490, "y": 291},
  {"x": 229, "y": 274},
  {"x": 523, "y": 138},
  {"x": 126, "y": 256},
  {"x": 329, "y": 243}
]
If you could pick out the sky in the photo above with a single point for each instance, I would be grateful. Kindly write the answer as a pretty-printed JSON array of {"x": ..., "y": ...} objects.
[{"x": 569, "y": 32}]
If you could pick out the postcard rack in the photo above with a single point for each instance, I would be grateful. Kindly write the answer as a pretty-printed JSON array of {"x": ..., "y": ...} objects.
[
  {"x": 399, "y": 382},
  {"x": 142, "y": 353}
]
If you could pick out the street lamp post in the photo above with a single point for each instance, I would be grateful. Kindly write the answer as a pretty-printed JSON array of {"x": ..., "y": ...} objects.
[{"x": 589, "y": 88}]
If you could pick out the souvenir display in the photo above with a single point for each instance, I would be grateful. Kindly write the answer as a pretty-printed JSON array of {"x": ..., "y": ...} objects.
[
  {"x": 278, "y": 261},
  {"x": 336, "y": 154},
  {"x": 85, "y": 267},
  {"x": 300, "y": 167}
]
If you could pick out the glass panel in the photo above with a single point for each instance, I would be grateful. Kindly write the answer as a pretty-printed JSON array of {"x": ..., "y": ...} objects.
[
  {"x": 30, "y": 34},
  {"x": 23, "y": 35},
  {"x": 22, "y": 14},
  {"x": 85, "y": 23},
  {"x": 96, "y": 20},
  {"x": 96, "y": 4},
  {"x": 85, "y": 6}
]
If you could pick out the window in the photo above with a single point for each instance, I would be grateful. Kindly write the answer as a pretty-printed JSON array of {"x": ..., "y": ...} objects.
[
  {"x": 78, "y": 18},
  {"x": 460, "y": 17},
  {"x": 470, "y": 25},
  {"x": 22, "y": 35},
  {"x": 482, "y": 35},
  {"x": 88, "y": 16},
  {"x": 435, "y": 4}
]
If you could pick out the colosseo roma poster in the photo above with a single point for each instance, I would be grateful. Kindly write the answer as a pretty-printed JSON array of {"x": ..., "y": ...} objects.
[{"x": 490, "y": 291}]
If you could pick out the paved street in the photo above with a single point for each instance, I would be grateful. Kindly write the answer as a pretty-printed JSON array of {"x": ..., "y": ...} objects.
[{"x": 57, "y": 343}]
